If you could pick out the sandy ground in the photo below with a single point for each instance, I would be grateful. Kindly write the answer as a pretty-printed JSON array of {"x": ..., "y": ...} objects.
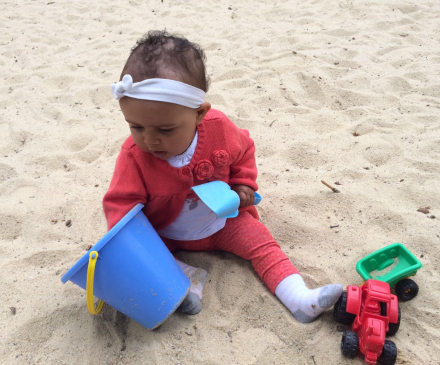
[{"x": 340, "y": 91}]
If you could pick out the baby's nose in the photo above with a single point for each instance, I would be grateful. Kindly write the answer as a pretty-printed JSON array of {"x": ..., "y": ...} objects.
[{"x": 151, "y": 139}]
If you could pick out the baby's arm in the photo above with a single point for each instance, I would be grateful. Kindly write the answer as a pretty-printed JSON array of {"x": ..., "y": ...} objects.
[
  {"x": 243, "y": 173},
  {"x": 243, "y": 167},
  {"x": 127, "y": 189}
]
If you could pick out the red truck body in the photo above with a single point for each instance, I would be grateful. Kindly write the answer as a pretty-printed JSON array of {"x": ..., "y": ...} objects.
[{"x": 375, "y": 307}]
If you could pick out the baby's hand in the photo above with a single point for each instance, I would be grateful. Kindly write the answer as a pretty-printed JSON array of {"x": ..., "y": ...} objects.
[{"x": 245, "y": 193}]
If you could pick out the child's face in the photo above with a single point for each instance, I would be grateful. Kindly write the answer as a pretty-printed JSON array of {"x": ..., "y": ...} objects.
[{"x": 160, "y": 128}]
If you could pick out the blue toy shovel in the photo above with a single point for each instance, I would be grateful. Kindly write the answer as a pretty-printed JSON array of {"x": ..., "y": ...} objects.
[{"x": 219, "y": 197}]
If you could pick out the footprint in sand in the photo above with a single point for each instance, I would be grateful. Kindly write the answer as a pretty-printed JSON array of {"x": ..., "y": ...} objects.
[
  {"x": 78, "y": 141},
  {"x": 60, "y": 82},
  {"x": 47, "y": 258},
  {"x": 380, "y": 152},
  {"x": 230, "y": 75},
  {"x": 112, "y": 325},
  {"x": 312, "y": 89},
  {"x": 72, "y": 323},
  {"x": 99, "y": 95},
  {"x": 216, "y": 99},
  {"x": 304, "y": 155},
  {"x": 5, "y": 132},
  {"x": 6, "y": 172},
  {"x": 398, "y": 85},
  {"x": 10, "y": 226}
]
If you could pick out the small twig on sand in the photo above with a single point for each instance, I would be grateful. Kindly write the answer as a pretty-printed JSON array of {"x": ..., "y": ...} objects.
[
  {"x": 270, "y": 125},
  {"x": 313, "y": 358},
  {"x": 330, "y": 187}
]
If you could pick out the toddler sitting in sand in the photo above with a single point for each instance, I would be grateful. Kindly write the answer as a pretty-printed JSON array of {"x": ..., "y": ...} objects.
[{"x": 177, "y": 141}]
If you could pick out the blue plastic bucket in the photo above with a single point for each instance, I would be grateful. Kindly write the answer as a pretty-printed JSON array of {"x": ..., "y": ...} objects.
[{"x": 135, "y": 272}]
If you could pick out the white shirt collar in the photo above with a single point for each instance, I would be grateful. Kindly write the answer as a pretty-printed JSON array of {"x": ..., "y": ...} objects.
[{"x": 185, "y": 158}]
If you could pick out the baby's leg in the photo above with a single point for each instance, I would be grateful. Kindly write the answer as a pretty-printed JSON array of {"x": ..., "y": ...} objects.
[
  {"x": 250, "y": 239},
  {"x": 192, "y": 304}
]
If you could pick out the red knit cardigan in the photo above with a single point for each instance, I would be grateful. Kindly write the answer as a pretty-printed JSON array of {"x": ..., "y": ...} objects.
[{"x": 224, "y": 152}]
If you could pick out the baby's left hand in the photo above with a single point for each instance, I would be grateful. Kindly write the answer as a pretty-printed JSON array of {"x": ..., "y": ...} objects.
[{"x": 246, "y": 195}]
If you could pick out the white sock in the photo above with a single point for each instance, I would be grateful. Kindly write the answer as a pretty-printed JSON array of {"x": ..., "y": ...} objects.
[
  {"x": 304, "y": 303},
  {"x": 192, "y": 304}
]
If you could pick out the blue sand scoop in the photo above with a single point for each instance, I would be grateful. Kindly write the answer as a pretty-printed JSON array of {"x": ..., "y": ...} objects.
[{"x": 219, "y": 197}]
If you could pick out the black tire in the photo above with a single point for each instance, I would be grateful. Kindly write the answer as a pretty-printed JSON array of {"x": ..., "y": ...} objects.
[
  {"x": 394, "y": 327},
  {"x": 340, "y": 313},
  {"x": 406, "y": 289},
  {"x": 349, "y": 343},
  {"x": 389, "y": 353}
]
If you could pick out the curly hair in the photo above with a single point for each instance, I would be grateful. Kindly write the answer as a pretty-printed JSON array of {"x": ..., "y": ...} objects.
[{"x": 160, "y": 54}]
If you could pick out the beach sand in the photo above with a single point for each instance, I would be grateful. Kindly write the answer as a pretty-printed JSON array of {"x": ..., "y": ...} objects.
[{"x": 341, "y": 91}]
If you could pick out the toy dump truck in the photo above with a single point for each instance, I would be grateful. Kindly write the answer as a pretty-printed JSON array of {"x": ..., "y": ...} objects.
[
  {"x": 373, "y": 312},
  {"x": 392, "y": 264}
]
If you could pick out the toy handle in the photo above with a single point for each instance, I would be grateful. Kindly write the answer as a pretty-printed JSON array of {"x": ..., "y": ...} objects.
[
  {"x": 257, "y": 198},
  {"x": 93, "y": 257}
]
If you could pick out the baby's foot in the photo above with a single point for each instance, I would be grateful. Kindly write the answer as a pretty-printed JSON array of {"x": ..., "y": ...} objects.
[
  {"x": 192, "y": 304},
  {"x": 306, "y": 304}
]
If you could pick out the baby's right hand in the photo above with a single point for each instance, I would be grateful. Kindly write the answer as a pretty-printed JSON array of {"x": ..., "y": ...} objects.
[{"x": 246, "y": 194}]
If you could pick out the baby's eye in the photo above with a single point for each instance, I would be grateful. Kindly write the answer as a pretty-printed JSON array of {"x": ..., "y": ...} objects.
[
  {"x": 136, "y": 127},
  {"x": 165, "y": 130}
]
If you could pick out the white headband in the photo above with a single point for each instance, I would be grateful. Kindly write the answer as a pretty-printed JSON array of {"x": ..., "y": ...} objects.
[{"x": 169, "y": 91}]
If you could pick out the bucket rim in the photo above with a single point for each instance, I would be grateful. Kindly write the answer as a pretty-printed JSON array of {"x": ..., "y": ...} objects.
[{"x": 102, "y": 242}]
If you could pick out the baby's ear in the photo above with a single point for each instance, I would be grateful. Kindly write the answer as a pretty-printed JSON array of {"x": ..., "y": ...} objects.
[{"x": 202, "y": 110}]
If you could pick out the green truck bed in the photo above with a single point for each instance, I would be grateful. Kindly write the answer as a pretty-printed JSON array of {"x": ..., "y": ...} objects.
[{"x": 389, "y": 264}]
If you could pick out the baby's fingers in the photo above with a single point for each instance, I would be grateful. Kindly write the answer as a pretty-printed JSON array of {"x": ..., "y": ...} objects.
[
  {"x": 251, "y": 198},
  {"x": 245, "y": 199}
]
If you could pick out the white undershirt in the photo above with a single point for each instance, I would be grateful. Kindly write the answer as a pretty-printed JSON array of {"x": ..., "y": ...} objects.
[{"x": 196, "y": 220}]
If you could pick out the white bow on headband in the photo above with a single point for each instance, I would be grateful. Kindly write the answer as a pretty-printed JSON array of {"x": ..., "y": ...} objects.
[{"x": 165, "y": 90}]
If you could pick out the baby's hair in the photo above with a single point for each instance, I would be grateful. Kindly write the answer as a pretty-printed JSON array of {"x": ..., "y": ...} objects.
[{"x": 160, "y": 54}]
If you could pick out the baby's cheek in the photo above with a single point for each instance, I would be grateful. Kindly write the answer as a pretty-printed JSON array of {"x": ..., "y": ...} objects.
[{"x": 138, "y": 141}]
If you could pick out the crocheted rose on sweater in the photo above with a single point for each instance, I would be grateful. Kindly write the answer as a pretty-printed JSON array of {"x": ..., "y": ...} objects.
[
  {"x": 220, "y": 157},
  {"x": 203, "y": 170}
]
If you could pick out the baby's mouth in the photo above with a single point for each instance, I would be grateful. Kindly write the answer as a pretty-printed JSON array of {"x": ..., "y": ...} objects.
[{"x": 159, "y": 154}]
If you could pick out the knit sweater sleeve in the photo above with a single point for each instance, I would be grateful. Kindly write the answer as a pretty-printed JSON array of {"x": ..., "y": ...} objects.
[
  {"x": 242, "y": 148},
  {"x": 126, "y": 189}
]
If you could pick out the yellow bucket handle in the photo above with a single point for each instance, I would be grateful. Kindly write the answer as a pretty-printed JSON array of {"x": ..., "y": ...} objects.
[{"x": 93, "y": 257}]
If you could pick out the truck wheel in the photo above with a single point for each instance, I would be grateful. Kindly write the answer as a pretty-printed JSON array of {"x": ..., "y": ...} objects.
[
  {"x": 389, "y": 353},
  {"x": 340, "y": 313},
  {"x": 350, "y": 343},
  {"x": 394, "y": 327},
  {"x": 406, "y": 289}
]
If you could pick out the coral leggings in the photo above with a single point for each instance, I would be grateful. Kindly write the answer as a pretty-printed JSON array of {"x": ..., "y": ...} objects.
[{"x": 248, "y": 238}]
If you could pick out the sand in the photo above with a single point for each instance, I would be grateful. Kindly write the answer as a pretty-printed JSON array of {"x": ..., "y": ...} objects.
[{"x": 341, "y": 91}]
